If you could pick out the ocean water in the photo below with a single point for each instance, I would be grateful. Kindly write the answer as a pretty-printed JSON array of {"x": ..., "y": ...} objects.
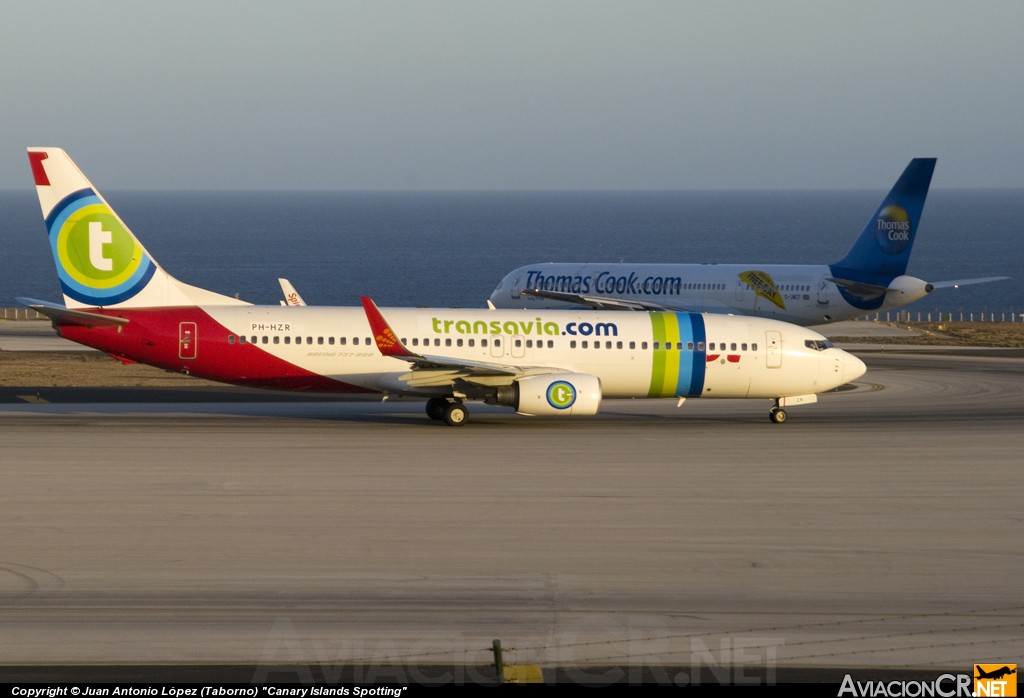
[{"x": 451, "y": 249}]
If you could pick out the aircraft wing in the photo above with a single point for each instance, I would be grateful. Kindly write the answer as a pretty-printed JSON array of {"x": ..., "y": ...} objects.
[
  {"x": 860, "y": 288},
  {"x": 428, "y": 369},
  {"x": 600, "y": 302},
  {"x": 63, "y": 316},
  {"x": 956, "y": 283}
]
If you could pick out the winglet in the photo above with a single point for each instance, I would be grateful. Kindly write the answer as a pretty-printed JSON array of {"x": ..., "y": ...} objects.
[{"x": 386, "y": 339}]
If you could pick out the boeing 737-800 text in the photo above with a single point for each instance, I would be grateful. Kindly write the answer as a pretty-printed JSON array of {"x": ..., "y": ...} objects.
[
  {"x": 553, "y": 362},
  {"x": 871, "y": 277}
]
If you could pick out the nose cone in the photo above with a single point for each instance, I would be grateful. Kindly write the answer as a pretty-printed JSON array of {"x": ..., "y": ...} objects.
[{"x": 853, "y": 368}]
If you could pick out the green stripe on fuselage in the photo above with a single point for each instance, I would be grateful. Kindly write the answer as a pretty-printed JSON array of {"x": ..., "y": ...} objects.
[{"x": 665, "y": 362}]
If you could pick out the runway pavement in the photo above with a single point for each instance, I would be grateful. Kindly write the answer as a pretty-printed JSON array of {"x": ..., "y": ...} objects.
[{"x": 878, "y": 530}]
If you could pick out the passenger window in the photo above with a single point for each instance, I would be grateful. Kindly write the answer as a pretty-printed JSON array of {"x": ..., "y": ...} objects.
[
  {"x": 743, "y": 347},
  {"x": 700, "y": 346},
  {"x": 342, "y": 341},
  {"x": 415, "y": 341},
  {"x": 643, "y": 345},
  {"x": 754, "y": 346},
  {"x": 618, "y": 345},
  {"x": 277, "y": 340},
  {"x": 458, "y": 342},
  {"x": 689, "y": 346},
  {"x": 288, "y": 340},
  {"x": 632, "y": 345},
  {"x": 355, "y": 340},
  {"x": 584, "y": 344},
  {"x": 483, "y": 342},
  {"x": 733, "y": 346},
  {"x": 472, "y": 342},
  {"x": 231, "y": 339},
  {"x": 572, "y": 344},
  {"x": 447, "y": 341},
  {"x": 330, "y": 340}
]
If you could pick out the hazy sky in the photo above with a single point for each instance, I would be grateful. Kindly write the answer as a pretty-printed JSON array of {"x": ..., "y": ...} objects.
[{"x": 519, "y": 94}]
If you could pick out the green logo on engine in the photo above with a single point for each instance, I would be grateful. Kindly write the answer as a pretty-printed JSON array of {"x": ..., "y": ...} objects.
[{"x": 561, "y": 395}]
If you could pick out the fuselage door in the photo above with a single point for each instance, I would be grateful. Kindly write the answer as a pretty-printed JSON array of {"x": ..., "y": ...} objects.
[
  {"x": 518, "y": 350},
  {"x": 823, "y": 291},
  {"x": 774, "y": 342},
  {"x": 188, "y": 340}
]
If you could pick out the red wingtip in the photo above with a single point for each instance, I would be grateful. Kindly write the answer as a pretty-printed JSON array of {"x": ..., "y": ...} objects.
[{"x": 386, "y": 339}]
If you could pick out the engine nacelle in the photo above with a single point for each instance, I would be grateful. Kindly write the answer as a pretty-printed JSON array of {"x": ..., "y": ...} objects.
[
  {"x": 909, "y": 288},
  {"x": 561, "y": 394}
]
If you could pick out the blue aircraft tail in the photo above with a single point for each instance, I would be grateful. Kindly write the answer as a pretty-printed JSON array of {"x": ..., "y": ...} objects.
[{"x": 883, "y": 249}]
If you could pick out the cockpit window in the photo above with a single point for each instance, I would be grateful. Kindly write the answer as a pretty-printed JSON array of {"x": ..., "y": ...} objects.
[{"x": 818, "y": 344}]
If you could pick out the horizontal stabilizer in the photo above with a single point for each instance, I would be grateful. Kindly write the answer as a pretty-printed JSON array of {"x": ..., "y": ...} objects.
[
  {"x": 956, "y": 283},
  {"x": 63, "y": 316}
]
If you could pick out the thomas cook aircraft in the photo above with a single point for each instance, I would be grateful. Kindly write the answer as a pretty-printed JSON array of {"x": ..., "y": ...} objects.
[
  {"x": 871, "y": 277},
  {"x": 553, "y": 362}
]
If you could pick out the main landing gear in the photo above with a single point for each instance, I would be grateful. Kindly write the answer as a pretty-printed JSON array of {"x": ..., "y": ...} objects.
[{"x": 451, "y": 412}]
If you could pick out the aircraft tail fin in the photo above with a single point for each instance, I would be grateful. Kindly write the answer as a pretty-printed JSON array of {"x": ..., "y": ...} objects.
[
  {"x": 883, "y": 248},
  {"x": 291, "y": 296},
  {"x": 99, "y": 261}
]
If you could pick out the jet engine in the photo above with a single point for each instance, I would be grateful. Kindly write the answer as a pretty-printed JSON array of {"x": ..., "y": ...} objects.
[{"x": 560, "y": 394}]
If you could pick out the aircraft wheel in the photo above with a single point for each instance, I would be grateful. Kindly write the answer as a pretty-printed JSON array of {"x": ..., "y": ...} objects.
[
  {"x": 455, "y": 414},
  {"x": 777, "y": 415},
  {"x": 436, "y": 407}
]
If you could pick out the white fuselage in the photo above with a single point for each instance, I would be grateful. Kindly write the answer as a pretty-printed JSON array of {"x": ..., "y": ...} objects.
[
  {"x": 632, "y": 354},
  {"x": 807, "y": 296}
]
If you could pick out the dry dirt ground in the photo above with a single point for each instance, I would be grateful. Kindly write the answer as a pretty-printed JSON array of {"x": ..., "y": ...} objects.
[
  {"x": 959, "y": 334},
  {"x": 83, "y": 369}
]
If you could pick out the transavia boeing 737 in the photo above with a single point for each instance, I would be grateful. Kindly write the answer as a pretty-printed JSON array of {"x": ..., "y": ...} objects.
[
  {"x": 560, "y": 363},
  {"x": 871, "y": 277}
]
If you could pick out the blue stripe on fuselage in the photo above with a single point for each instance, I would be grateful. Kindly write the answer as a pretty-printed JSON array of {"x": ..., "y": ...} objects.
[{"x": 692, "y": 364}]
